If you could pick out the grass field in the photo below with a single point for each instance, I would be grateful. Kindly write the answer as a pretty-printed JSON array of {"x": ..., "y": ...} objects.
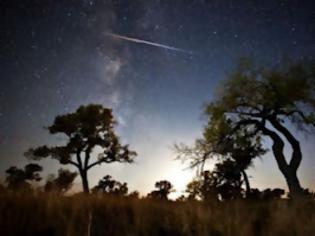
[{"x": 91, "y": 215}]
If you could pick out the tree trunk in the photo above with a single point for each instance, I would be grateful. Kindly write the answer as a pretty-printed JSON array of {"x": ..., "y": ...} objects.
[
  {"x": 293, "y": 182},
  {"x": 290, "y": 170},
  {"x": 85, "y": 182},
  {"x": 248, "y": 190}
]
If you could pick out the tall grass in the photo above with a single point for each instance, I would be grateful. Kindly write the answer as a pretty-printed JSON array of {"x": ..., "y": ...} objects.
[{"x": 48, "y": 214}]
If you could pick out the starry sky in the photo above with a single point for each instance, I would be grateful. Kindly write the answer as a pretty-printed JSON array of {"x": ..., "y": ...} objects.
[{"x": 57, "y": 55}]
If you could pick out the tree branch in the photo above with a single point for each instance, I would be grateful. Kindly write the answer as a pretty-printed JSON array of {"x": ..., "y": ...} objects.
[
  {"x": 300, "y": 113},
  {"x": 74, "y": 163},
  {"x": 97, "y": 163},
  {"x": 278, "y": 144}
]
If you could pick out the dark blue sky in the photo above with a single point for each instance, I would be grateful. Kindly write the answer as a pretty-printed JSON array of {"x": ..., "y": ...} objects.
[{"x": 55, "y": 56}]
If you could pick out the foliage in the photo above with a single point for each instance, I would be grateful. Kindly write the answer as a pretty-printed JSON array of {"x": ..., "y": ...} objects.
[
  {"x": 134, "y": 195},
  {"x": 234, "y": 150},
  {"x": 112, "y": 187},
  {"x": 62, "y": 183},
  {"x": 20, "y": 179},
  {"x": 267, "y": 194},
  {"x": 88, "y": 128},
  {"x": 265, "y": 100},
  {"x": 254, "y": 103},
  {"x": 164, "y": 188},
  {"x": 223, "y": 183}
]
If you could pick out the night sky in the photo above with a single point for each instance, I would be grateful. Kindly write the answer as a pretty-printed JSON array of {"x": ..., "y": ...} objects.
[{"x": 57, "y": 55}]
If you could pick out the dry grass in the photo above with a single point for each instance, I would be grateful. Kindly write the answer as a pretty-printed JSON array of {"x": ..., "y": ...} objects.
[{"x": 74, "y": 216}]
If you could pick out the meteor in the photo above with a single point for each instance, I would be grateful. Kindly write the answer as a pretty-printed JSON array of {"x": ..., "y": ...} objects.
[{"x": 135, "y": 40}]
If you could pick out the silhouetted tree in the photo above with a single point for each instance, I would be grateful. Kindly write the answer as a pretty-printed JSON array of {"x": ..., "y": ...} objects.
[
  {"x": 272, "y": 194},
  {"x": 181, "y": 198},
  {"x": 267, "y": 194},
  {"x": 239, "y": 150},
  {"x": 268, "y": 102},
  {"x": 62, "y": 183},
  {"x": 228, "y": 180},
  {"x": 193, "y": 189},
  {"x": 20, "y": 179},
  {"x": 164, "y": 188},
  {"x": 202, "y": 187},
  {"x": 109, "y": 186},
  {"x": 309, "y": 192},
  {"x": 134, "y": 195},
  {"x": 224, "y": 182},
  {"x": 88, "y": 128},
  {"x": 235, "y": 149}
]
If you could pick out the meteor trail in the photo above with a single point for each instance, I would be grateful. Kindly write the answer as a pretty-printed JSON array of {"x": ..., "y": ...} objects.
[{"x": 117, "y": 36}]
